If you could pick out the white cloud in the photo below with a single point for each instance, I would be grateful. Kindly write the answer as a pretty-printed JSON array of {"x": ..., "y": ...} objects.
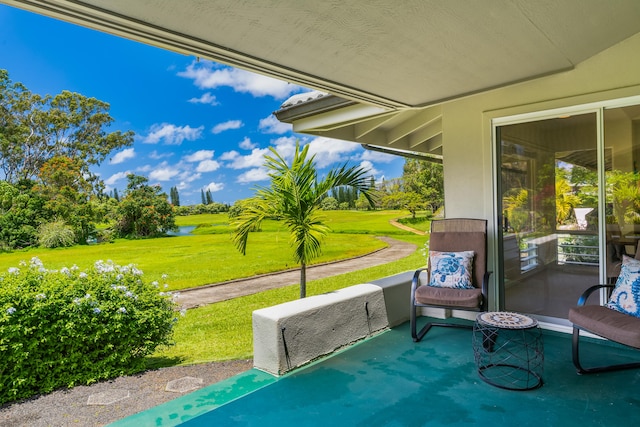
[
  {"x": 199, "y": 156},
  {"x": 207, "y": 75},
  {"x": 206, "y": 98},
  {"x": 207, "y": 166},
  {"x": 329, "y": 151},
  {"x": 377, "y": 156},
  {"x": 286, "y": 146},
  {"x": 231, "y": 124},
  {"x": 246, "y": 144},
  {"x": 187, "y": 176},
  {"x": 229, "y": 155},
  {"x": 368, "y": 166},
  {"x": 157, "y": 156},
  {"x": 172, "y": 134},
  {"x": 272, "y": 125},
  {"x": 113, "y": 179},
  {"x": 214, "y": 186},
  {"x": 253, "y": 175},
  {"x": 163, "y": 172},
  {"x": 255, "y": 159},
  {"x": 122, "y": 156}
]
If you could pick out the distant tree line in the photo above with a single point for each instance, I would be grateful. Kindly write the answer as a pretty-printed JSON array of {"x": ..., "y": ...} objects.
[{"x": 420, "y": 188}]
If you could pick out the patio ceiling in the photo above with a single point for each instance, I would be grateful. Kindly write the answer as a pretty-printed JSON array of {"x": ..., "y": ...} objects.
[{"x": 389, "y": 58}]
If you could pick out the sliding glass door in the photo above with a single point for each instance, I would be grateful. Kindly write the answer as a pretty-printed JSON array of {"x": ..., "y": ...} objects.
[
  {"x": 549, "y": 224},
  {"x": 569, "y": 203}
]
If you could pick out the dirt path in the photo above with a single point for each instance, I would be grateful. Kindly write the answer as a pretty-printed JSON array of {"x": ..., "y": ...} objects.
[
  {"x": 196, "y": 297},
  {"x": 406, "y": 228}
]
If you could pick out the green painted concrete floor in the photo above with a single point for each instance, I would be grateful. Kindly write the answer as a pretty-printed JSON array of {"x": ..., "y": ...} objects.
[{"x": 391, "y": 381}]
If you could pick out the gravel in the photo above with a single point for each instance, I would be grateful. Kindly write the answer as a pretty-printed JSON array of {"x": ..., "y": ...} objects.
[{"x": 68, "y": 407}]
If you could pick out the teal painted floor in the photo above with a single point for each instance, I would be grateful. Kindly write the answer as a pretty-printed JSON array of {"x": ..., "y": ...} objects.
[{"x": 391, "y": 381}]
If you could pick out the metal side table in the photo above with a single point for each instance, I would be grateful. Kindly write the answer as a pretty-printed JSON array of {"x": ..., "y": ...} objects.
[{"x": 508, "y": 350}]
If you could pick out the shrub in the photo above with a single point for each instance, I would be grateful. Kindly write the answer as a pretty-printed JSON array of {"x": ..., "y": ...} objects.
[
  {"x": 56, "y": 234},
  {"x": 68, "y": 327}
]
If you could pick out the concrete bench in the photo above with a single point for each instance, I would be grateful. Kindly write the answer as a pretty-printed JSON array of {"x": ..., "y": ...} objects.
[{"x": 295, "y": 333}]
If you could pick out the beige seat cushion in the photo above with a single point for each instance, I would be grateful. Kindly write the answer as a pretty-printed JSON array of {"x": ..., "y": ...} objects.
[
  {"x": 607, "y": 323},
  {"x": 463, "y": 298}
]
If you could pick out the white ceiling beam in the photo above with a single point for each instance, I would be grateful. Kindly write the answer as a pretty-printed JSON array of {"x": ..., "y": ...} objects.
[
  {"x": 363, "y": 128},
  {"x": 416, "y": 121},
  {"x": 426, "y": 133}
]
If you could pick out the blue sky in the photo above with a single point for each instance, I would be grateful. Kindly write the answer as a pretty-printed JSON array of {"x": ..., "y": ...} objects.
[{"x": 198, "y": 124}]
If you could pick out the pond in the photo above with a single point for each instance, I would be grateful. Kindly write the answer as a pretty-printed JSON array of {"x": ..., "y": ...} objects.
[{"x": 184, "y": 230}]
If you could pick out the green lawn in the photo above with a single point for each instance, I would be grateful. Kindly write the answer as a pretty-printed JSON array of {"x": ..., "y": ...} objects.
[
  {"x": 209, "y": 256},
  {"x": 223, "y": 331}
]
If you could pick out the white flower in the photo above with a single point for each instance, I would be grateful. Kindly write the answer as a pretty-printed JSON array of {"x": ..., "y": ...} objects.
[
  {"x": 14, "y": 270},
  {"x": 11, "y": 310},
  {"x": 82, "y": 275},
  {"x": 166, "y": 286},
  {"x": 119, "y": 277},
  {"x": 65, "y": 270},
  {"x": 40, "y": 297},
  {"x": 164, "y": 277},
  {"x": 154, "y": 284},
  {"x": 77, "y": 301},
  {"x": 22, "y": 263},
  {"x": 183, "y": 312},
  {"x": 97, "y": 310},
  {"x": 128, "y": 294},
  {"x": 122, "y": 310},
  {"x": 75, "y": 268},
  {"x": 35, "y": 262}
]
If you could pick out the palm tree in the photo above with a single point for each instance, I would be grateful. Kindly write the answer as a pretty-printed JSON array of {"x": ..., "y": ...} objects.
[{"x": 294, "y": 197}]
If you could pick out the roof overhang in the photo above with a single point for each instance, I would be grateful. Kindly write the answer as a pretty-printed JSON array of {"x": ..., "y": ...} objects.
[
  {"x": 387, "y": 53},
  {"x": 384, "y": 67}
]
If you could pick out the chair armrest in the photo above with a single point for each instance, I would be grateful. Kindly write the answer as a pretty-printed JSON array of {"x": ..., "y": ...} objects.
[
  {"x": 585, "y": 295},
  {"x": 415, "y": 282},
  {"x": 485, "y": 290}
]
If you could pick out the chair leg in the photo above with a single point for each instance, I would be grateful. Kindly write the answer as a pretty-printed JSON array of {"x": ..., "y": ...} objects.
[
  {"x": 418, "y": 335},
  {"x": 575, "y": 344}
]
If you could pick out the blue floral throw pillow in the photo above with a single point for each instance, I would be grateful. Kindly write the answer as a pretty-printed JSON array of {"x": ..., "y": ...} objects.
[
  {"x": 451, "y": 269},
  {"x": 625, "y": 297}
]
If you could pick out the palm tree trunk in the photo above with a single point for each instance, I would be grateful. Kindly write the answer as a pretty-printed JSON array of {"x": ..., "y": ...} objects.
[{"x": 303, "y": 280}]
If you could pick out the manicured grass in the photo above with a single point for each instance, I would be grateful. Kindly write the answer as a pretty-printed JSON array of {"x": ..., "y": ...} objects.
[
  {"x": 209, "y": 256},
  {"x": 367, "y": 222},
  {"x": 223, "y": 331},
  {"x": 191, "y": 261}
]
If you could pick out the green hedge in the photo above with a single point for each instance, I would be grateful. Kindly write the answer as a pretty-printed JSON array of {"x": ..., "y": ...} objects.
[{"x": 59, "y": 328}]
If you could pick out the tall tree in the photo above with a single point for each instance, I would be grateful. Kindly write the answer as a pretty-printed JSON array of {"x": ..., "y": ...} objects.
[
  {"x": 174, "y": 196},
  {"x": 67, "y": 192},
  {"x": 34, "y": 129},
  {"x": 295, "y": 197},
  {"x": 144, "y": 211},
  {"x": 425, "y": 179}
]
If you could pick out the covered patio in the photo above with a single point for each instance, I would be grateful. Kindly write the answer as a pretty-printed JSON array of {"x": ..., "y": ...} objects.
[
  {"x": 388, "y": 380},
  {"x": 445, "y": 79}
]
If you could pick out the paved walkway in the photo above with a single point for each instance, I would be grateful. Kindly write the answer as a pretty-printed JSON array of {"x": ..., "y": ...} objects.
[{"x": 196, "y": 297}]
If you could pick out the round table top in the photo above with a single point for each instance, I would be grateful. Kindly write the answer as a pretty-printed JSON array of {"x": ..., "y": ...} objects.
[{"x": 506, "y": 320}]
